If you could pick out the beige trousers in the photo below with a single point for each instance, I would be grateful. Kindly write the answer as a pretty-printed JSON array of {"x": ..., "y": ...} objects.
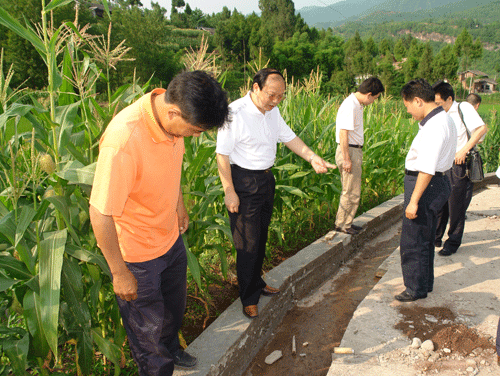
[{"x": 351, "y": 187}]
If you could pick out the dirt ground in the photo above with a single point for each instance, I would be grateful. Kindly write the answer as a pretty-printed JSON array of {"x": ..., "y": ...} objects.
[
  {"x": 318, "y": 326},
  {"x": 456, "y": 346}
]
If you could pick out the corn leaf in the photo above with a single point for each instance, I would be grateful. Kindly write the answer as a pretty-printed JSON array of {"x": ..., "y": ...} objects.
[
  {"x": 51, "y": 259},
  {"x": 193, "y": 264},
  {"x": 76, "y": 173},
  {"x": 17, "y": 352},
  {"x": 56, "y": 3},
  {"x": 12, "y": 24},
  {"x": 108, "y": 348},
  {"x": 27, "y": 215},
  {"x": 33, "y": 313},
  {"x": 13, "y": 267},
  {"x": 61, "y": 204},
  {"x": 88, "y": 256},
  {"x": 85, "y": 350},
  {"x": 6, "y": 282}
]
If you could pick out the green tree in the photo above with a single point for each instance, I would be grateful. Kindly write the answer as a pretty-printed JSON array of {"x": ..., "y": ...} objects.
[
  {"x": 385, "y": 46},
  {"x": 149, "y": 35},
  {"x": 355, "y": 54},
  {"x": 278, "y": 17},
  {"x": 371, "y": 47},
  {"x": 425, "y": 65},
  {"x": 468, "y": 50},
  {"x": 445, "y": 64},
  {"x": 399, "y": 50}
]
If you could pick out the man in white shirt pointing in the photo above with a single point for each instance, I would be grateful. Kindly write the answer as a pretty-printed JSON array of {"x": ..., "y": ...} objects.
[{"x": 246, "y": 151}]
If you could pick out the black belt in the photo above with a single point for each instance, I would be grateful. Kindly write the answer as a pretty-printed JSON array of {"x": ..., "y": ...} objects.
[
  {"x": 415, "y": 173},
  {"x": 356, "y": 146},
  {"x": 252, "y": 171}
]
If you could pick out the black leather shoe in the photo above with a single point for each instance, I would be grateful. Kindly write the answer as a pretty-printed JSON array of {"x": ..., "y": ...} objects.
[
  {"x": 357, "y": 228},
  {"x": 349, "y": 230},
  {"x": 446, "y": 252},
  {"x": 183, "y": 359},
  {"x": 269, "y": 291},
  {"x": 438, "y": 243},
  {"x": 405, "y": 297}
]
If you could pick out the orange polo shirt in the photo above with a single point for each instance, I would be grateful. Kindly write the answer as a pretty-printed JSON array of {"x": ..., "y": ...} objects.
[{"x": 137, "y": 181}]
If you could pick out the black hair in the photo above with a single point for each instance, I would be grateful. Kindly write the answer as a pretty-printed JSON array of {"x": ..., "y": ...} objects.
[
  {"x": 474, "y": 99},
  {"x": 371, "y": 85},
  {"x": 444, "y": 89},
  {"x": 418, "y": 88},
  {"x": 201, "y": 99},
  {"x": 261, "y": 76}
]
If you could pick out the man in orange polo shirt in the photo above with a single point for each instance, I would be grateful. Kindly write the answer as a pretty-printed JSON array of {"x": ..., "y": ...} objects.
[{"x": 138, "y": 214}]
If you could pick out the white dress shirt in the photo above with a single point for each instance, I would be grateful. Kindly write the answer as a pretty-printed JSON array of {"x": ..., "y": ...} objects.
[
  {"x": 250, "y": 139},
  {"x": 471, "y": 118},
  {"x": 433, "y": 148},
  {"x": 350, "y": 117}
]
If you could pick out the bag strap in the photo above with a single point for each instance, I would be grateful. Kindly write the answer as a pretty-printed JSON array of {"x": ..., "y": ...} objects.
[
  {"x": 465, "y": 125},
  {"x": 463, "y": 121}
]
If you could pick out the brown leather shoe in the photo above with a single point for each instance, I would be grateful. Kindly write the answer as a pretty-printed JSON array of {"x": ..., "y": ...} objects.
[
  {"x": 251, "y": 311},
  {"x": 268, "y": 291}
]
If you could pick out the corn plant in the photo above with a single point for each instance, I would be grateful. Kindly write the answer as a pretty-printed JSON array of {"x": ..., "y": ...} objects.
[{"x": 53, "y": 280}]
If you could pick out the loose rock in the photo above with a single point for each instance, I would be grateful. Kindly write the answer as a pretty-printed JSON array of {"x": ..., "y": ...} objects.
[
  {"x": 416, "y": 343},
  {"x": 427, "y": 345},
  {"x": 274, "y": 356}
]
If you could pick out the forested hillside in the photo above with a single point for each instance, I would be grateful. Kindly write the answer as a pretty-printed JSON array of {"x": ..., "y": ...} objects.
[{"x": 158, "y": 39}]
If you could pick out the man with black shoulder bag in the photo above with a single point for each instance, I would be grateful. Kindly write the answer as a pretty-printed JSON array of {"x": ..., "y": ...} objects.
[{"x": 466, "y": 169}]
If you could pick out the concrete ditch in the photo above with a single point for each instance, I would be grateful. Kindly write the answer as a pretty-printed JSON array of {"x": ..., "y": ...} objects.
[{"x": 229, "y": 344}]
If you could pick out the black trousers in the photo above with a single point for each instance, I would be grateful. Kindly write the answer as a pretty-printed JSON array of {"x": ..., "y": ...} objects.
[
  {"x": 455, "y": 208},
  {"x": 153, "y": 320},
  {"x": 417, "y": 235},
  {"x": 250, "y": 227}
]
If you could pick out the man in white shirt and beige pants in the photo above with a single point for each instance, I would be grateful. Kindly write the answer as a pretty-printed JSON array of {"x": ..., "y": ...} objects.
[{"x": 349, "y": 155}]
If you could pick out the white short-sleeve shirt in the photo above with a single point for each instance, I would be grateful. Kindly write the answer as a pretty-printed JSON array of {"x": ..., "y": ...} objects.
[
  {"x": 250, "y": 139},
  {"x": 433, "y": 148},
  {"x": 471, "y": 118},
  {"x": 350, "y": 117}
]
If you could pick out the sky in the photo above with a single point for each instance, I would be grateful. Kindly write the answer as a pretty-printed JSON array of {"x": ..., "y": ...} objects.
[{"x": 243, "y": 6}]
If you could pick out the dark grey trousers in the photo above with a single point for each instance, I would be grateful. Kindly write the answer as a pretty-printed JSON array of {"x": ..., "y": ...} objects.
[
  {"x": 153, "y": 320},
  {"x": 417, "y": 235}
]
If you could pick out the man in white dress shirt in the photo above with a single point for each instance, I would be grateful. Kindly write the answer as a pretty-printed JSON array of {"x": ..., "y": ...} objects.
[
  {"x": 349, "y": 154},
  {"x": 467, "y": 121},
  {"x": 246, "y": 151},
  {"x": 426, "y": 187}
]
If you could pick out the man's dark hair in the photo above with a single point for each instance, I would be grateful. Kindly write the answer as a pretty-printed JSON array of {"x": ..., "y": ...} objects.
[
  {"x": 444, "y": 89},
  {"x": 474, "y": 99},
  {"x": 261, "y": 76},
  {"x": 201, "y": 99},
  {"x": 418, "y": 88},
  {"x": 371, "y": 85}
]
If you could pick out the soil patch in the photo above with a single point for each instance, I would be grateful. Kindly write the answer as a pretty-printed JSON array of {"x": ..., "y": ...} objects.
[
  {"x": 319, "y": 325},
  {"x": 440, "y": 325},
  {"x": 457, "y": 348}
]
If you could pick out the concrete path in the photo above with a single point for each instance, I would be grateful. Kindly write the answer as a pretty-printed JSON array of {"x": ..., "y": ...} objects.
[{"x": 468, "y": 283}]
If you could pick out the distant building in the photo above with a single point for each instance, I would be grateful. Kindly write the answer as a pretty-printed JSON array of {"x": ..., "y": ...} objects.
[
  {"x": 485, "y": 85},
  {"x": 477, "y": 82},
  {"x": 98, "y": 9},
  {"x": 209, "y": 29}
]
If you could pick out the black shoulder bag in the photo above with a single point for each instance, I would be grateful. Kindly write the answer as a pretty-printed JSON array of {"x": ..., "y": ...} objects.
[{"x": 474, "y": 162}]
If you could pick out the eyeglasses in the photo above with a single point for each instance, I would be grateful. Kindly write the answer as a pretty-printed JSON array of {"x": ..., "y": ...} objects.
[{"x": 272, "y": 97}]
